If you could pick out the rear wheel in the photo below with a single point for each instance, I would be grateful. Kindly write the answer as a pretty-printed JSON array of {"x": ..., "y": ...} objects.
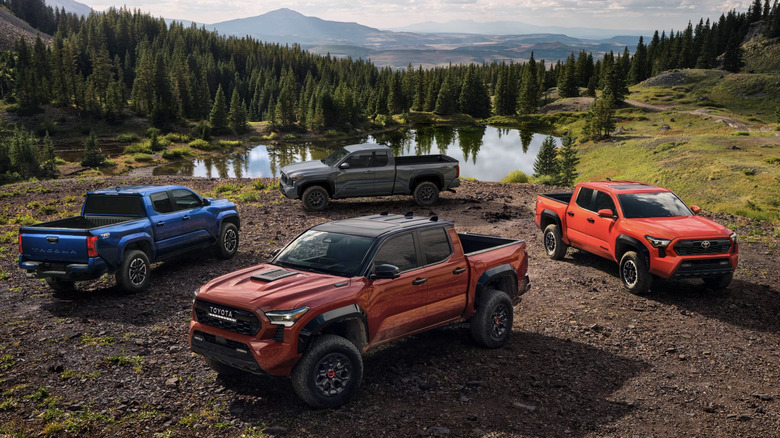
[
  {"x": 426, "y": 193},
  {"x": 227, "y": 243},
  {"x": 720, "y": 282},
  {"x": 315, "y": 198},
  {"x": 134, "y": 271},
  {"x": 492, "y": 324},
  {"x": 553, "y": 242},
  {"x": 634, "y": 273},
  {"x": 329, "y": 372},
  {"x": 59, "y": 285}
]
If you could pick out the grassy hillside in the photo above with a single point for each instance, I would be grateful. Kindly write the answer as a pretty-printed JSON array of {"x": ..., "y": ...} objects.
[{"x": 716, "y": 142}]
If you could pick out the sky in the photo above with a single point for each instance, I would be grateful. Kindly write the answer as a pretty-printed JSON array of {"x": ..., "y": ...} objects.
[{"x": 388, "y": 14}]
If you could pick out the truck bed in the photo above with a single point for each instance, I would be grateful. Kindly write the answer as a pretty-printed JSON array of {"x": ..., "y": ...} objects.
[
  {"x": 478, "y": 243},
  {"x": 82, "y": 223},
  {"x": 560, "y": 197}
]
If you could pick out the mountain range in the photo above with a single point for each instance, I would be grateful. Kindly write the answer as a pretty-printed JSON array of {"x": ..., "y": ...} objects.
[{"x": 429, "y": 44}]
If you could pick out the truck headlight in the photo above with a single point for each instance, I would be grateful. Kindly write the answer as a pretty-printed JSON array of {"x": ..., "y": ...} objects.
[
  {"x": 733, "y": 238},
  {"x": 658, "y": 243},
  {"x": 286, "y": 317}
]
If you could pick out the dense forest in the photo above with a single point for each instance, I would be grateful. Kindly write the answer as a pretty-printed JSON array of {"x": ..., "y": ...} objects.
[{"x": 113, "y": 64}]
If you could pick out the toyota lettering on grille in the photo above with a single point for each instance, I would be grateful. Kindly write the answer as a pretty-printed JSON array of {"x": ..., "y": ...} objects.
[
  {"x": 705, "y": 244},
  {"x": 223, "y": 314}
]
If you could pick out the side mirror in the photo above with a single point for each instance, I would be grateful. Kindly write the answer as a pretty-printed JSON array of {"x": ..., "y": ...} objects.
[
  {"x": 344, "y": 166},
  {"x": 206, "y": 202},
  {"x": 695, "y": 209},
  {"x": 386, "y": 272},
  {"x": 275, "y": 252},
  {"x": 605, "y": 212}
]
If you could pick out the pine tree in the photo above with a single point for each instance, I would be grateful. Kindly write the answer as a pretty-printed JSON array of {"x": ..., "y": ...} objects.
[
  {"x": 528, "y": 96},
  {"x": 49, "y": 168},
  {"x": 598, "y": 123},
  {"x": 474, "y": 98},
  {"x": 219, "y": 114},
  {"x": 546, "y": 162},
  {"x": 567, "y": 162},
  {"x": 446, "y": 102},
  {"x": 732, "y": 57},
  {"x": 505, "y": 101},
  {"x": 567, "y": 81},
  {"x": 25, "y": 158},
  {"x": 237, "y": 115},
  {"x": 93, "y": 157},
  {"x": 638, "y": 72}
]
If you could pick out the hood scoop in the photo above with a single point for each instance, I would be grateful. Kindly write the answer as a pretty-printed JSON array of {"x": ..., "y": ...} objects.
[{"x": 273, "y": 275}]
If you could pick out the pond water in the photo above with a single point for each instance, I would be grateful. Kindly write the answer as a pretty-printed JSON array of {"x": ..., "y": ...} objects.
[{"x": 485, "y": 153}]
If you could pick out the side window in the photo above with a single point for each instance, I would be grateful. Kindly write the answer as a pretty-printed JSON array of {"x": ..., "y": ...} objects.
[
  {"x": 359, "y": 160},
  {"x": 161, "y": 202},
  {"x": 399, "y": 251},
  {"x": 435, "y": 244},
  {"x": 381, "y": 159},
  {"x": 185, "y": 199},
  {"x": 585, "y": 198},
  {"x": 603, "y": 201}
]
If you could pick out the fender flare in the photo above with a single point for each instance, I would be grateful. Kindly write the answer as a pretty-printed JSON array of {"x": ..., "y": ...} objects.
[
  {"x": 229, "y": 214},
  {"x": 328, "y": 184},
  {"x": 624, "y": 241},
  {"x": 329, "y": 318},
  {"x": 144, "y": 239},
  {"x": 505, "y": 273}
]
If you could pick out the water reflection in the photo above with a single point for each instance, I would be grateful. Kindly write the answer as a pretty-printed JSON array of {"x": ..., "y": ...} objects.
[{"x": 485, "y": 153}]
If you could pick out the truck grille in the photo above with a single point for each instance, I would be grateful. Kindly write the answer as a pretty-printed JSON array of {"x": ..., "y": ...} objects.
[
  {"x": 227, "y": 318},
  {"x": 702, "y": 247}
]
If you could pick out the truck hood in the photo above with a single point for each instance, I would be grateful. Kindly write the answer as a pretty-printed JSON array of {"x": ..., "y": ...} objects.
[
  {"x": 681, "y": 226},
  {"x": 270, "y": 287},
  {"x": 305, "y": 167}
]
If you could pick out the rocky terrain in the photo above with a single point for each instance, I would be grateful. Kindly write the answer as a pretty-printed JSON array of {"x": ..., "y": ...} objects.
[{"x": 586, "y": 359}]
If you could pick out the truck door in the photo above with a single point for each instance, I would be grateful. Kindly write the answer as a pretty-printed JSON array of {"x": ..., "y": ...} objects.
[
  {"x": 577, "y": 218},
  {"x": 195, "y": 219},
  {"x": 398, "y": 305},
  {"x": 600, "y": 230},
  {"x": 384, "y": 173},
  {"x": 166, "y": 223},
  {"x": 357, "y": 178},
  {"x": 447, "y": 275}
]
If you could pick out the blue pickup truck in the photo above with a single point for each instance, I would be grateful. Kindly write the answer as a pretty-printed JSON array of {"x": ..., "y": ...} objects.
[{"x": 122, "y": 229}]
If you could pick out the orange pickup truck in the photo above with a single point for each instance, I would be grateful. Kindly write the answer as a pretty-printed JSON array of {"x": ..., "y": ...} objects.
[
  {"x": 648, "y": 230},
  {"x": 343, "y": 287}
]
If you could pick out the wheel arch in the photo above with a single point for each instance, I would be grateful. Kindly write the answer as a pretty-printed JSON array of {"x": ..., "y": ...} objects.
[
  {"x": 230, "y": 217},
  {"x": 328, "y": 185},
  {"x": 503, "y": 277},
  {"x": 549, "y": 217},
  {"x": 434, "y": 178},
  {"x": 349, "y": 322},
  {"x": 625, "y": 243}
]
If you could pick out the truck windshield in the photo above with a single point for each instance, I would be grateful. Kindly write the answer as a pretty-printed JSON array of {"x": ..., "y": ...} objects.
[
  {"x": 658, "y": 204},
  {"x": 329, "y": 253},
  {"x": 335, "y": 157}
]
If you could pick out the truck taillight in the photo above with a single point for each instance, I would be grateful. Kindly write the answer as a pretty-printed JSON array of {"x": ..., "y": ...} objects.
[
  {"x": 92, "y": 246},
  {"x": 20, "y": 244},
  {"x": 457, "y": 167}
]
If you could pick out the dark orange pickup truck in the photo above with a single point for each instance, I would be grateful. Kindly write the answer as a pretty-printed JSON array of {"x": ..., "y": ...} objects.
[
  {"x": 648, "y": 230},
  {"x": 343, "y": 287}
]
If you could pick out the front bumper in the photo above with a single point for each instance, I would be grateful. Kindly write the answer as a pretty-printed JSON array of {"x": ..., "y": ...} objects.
[{"x": 694, "y": 267}]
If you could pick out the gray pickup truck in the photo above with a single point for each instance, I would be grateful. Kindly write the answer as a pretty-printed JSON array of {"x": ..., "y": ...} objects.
[{"x": 368, "y": 170}]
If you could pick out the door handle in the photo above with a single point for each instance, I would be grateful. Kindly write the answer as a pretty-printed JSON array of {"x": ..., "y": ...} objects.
[
  {"x": 459, "y": 271},
  {"x": 161, "y": 223},
  {"x": 185, "y": 217},
  {"x": 570, "y": 213},
  {"x": 591, "y": 220},
  {"x": 419, "y": 281}
]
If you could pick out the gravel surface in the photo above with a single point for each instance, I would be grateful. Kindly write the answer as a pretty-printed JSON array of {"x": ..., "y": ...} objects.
[{"x": 585, "y": 359}]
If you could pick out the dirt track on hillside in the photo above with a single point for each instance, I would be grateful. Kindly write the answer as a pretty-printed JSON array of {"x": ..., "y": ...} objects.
[{"x": 586, "y": 359}]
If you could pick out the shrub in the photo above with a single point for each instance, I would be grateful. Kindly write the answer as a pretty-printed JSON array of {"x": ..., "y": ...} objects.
[
  {"x": 515, "y": 176},
  {"x": 229, "y": 143},
  {"x": 176, "y": 153},
  {"x": 548, "y": 180},
  {"x": 227, "y": 188},
  {"x": 201, "y": 144},
  {"x": 127, "y": 138},
  {"x": 176, "y": 137},
  {"x": 254, "y": 138},
  {"x": 742, "y": 133},
  {"x": 140, "y": 156},
  {"x": 244, "y": 197},
  {"x": 138, "y": 148}
]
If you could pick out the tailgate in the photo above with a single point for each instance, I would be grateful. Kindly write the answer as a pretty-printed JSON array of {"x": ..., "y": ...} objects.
[{"x": 54, "y": 246}]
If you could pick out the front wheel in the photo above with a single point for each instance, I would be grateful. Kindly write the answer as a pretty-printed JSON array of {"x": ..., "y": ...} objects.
[
  {"x": 720, "y": 282},
  {"x": 635, "y": 273},
  {"x": 315, "y": 198},
  {"x": 329, "y": 372},
  {"x": 492, "y": 324},
  {"x": 134, "y": 271},
  {"x": 426, "y": 193},
  {"x": 227, "y": 243},
  {"x": 553, "y": 242}
]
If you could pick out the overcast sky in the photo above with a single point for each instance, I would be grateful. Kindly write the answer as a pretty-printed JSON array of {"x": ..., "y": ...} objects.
[{"x": 387, "y": 14}]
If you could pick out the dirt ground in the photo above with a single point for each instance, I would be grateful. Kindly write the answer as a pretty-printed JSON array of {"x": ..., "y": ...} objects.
[{"x": 586, "y": 359}]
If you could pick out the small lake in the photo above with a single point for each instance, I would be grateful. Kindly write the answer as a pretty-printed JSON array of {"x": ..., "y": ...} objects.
[{"x": 485, "y": 153}]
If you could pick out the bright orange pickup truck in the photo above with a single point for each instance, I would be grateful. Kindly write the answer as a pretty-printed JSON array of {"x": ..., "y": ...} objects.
[
  {"x": 648, "y": 230},
  {"x": 343, "y": 287}
]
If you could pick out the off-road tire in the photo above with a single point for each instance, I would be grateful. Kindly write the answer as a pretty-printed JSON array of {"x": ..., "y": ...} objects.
[
  {"x": 223, "y": 369},
  {"x": 634, "y": 273},
  {"x": 720, "y": 282},
  {"x": 491, "y": 325},
  {"x": 59, "y": 285},
  {"x": 227, "y": 243},
  {"x": 553, "y": 242},
  {"x": 134, "y": 272},
  {"x": 426, "y": 193},
  {"x": 329, "y": 372},
  {"x": 315, "y": 198}
]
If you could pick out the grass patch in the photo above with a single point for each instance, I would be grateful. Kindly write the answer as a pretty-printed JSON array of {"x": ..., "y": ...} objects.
[
  {"x": 515, "y": 176},
  {"x": 97, "y": 341},
  {"x": 248, "y": 197},
  {"x": 227, "y": 188},
  {"x": 201, "y": 145},
  {"x": 127, "y": 138},
  {"x": 177, "y": 153},
  {"x": 138, "y": 148},
  {"x": 229, "y": 143},
  {"x": 143, "y": 157}
]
